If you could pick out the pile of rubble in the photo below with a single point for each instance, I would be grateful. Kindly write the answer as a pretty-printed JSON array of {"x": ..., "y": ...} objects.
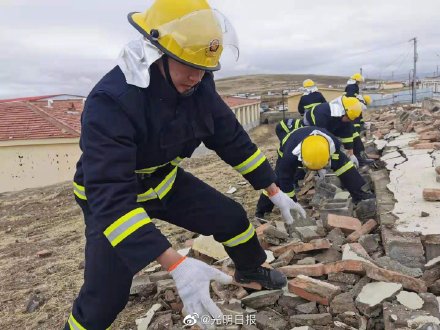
[{"x": 349, "y": 267}]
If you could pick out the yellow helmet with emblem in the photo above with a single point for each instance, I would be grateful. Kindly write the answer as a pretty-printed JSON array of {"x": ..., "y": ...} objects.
[
  {"x": 315, "y": 152},
  {"x": 358, "y": 77},
  {"x": 189, "y": 31},
  {"x": 352, "y": 106},
  {"x": 308, "y": 83}
]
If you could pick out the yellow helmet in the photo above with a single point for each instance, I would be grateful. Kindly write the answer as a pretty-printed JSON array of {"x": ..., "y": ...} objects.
[
  {"x": 189, "y": 31},
  {"x": 315, "y": 152},
  {"x": 352, "y": 106},
  {"x": 367, "y": 99},
  {"x": 357, "y": 77},
  {"x": 308, "y": 83}
]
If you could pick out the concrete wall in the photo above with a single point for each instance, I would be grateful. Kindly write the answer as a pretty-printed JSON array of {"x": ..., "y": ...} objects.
[
  {"x": 35, "y": 163},
  {"x": 329, "y": 94},
  {"x": 248, "y": 115}
]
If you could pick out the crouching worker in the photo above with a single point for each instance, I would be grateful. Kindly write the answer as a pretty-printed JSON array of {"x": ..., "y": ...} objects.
[
  {"x": 144, "y": 116},
  {"x": 315, "y": 149}
]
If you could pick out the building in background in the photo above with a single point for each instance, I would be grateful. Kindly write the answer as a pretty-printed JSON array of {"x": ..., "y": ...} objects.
[
  {"x": 247, "y": 110},
  {"x": 39, "y": 140},
  {"x": 432, "y": 83}
]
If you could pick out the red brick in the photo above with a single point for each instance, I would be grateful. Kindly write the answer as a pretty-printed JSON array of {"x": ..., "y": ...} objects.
[
  {"x": 308, "y": 270},
  {"x": 44, "y": 253},
  {"x": 297, "y": 247},
  {"x": 431, "y": 194},
  {"x": 365, "y": 229},
  {"x": 431, "y": 145},
  {"x": 408, "y": 282},
  {"x": 422, "y": 129},
  {"x": 431, "y": 136},
  {"x": 313, "y": 290},
  {"x": 346, "y": 224}
]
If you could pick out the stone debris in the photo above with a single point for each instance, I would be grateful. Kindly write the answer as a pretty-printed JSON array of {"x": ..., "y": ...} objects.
[{"x": 345, "y": 270}]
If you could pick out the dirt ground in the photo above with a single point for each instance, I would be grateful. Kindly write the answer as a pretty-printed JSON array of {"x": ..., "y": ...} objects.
[{"x": 48, "y": 218}]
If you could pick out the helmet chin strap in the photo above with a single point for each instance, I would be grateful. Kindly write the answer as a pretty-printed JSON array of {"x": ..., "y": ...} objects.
[{"x": 166, "y": 68}]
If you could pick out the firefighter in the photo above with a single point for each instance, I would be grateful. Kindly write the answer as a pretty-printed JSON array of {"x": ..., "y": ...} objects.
[
  {"x": 144, "y": 116},
  {"x": 310, "y": 98},
  {"x": 352, "y": 90},
  {"x": 285, "y": 126},
  {"x": 316, "y": 149},
  {"x": 336, "y": 116}
]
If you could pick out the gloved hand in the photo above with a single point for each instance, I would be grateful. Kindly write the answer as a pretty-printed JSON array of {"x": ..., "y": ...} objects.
[
  {"x": 285, "y": 204},
  {"x": 192, "y": 279},
  {"x": 354, "y": 160}
]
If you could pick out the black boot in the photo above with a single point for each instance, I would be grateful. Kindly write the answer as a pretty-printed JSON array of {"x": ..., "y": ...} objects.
[{"x": 270, "y": 279}]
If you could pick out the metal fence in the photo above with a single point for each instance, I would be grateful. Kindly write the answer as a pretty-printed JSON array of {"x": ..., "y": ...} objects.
[{"x": 380, "y": 100}]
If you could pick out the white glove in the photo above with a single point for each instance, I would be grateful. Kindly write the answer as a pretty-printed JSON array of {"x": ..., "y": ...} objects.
[
  {"x": 354, "y": 160},
  {"x": 192, "y": 279},
  {"x": 285, "y": 204}
]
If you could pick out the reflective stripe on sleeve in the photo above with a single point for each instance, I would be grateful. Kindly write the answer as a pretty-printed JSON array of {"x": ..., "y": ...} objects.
[
  {"x": 347, "y": 139},
  {"x": 357, "y": 125},
  {"x": 312, "y": 114},
  {"x": 241, "y": 238},
  {"x": 311, "y": 106},
  {"x": 126, "y": 225},
  {"x": 335, "y": 156},
  {"x": 344, "y": 168},
  {"x": 291, "y": 194},
  {"x": 355, "y": 135},
  {"x": 297, "y": 123},
  {"x": 280, "y": 153},
  {"x": 251, "y": 163}
]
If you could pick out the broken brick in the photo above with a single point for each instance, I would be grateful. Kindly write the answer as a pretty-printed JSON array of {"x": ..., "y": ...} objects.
[
  {"x": 298, "y": 247},
  {"x": 431, "y": 194},
  {"x": 346, "y": 224},
  {"x": 313, "y": 290},
  {"x": 365, "y": 229}
]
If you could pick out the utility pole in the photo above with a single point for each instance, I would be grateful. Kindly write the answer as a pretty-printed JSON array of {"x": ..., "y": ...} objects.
[
  {"x": 414, "y": 83},
  {"x": 282, "y": 97},
  {"x": 360, "y": 71}
]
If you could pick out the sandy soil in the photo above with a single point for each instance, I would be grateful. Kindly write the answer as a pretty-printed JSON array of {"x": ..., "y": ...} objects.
[{"x": 49, "y": 219}]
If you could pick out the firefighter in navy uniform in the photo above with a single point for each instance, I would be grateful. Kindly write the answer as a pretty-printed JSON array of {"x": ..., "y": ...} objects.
[
  {"x": 139, "y": 122},
  {"x": 352, "y": 90},
  {"x": 311, "y": 97},
  {"x": 336, "y": 116},
  {"x": 314, "y": 148}
]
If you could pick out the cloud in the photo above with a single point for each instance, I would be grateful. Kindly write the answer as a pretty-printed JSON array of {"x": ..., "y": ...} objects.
[{"x": 65, "y": 46}]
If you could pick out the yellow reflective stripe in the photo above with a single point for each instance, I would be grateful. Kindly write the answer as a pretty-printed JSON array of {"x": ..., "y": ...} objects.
[
  {"x": 241, "y": 238},
  {"x": 312, "y": 113},
  {"x": 251, "y": 163},
  {"x": 150, "y": 170},
  {"x": 362, "y": 120},
  {"x": 265, "y": 193},
  {"x": 283, "y": 125},
  {"x": 176, "y": 161},
  {"x": 335, "y": 156},
  {"x": 285, "y": 138},
  {"x": 344, "y": 168},
  {"x": 126, "y": 225},
  {"x": 347, "y": 140},
  {"x": 311, "y": 106},
  {"x": 357, "y": 125},
  {"x": 291, "y": 194},
  {"x": 297, "y": 123},
  {"x": 73, "y": 324},
  {"x": 146, "y": 196},
  {"x": 79, "y": 191},
  {"x": 280, "y": 153},
  {"x": 355, "y": 134},
  {"x": 164, "y": 187}
]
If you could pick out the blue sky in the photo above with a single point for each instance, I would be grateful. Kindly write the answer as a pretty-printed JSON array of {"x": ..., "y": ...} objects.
[{"x": 66, "y": 46}]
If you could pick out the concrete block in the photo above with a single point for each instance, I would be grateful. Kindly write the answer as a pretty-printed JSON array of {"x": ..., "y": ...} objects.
[
  {"x": 432, "y": 246},
  {"x": 406, "y": 248},
  {"x": 262, "y": 298},
  {"x": 373, "y": 294},
  {"x": 336, "y": 206},
  {"x": 323, "y": 319}
]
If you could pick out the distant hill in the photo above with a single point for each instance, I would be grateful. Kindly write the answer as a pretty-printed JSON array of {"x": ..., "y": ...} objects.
[{"x": 262, "y": 83}]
